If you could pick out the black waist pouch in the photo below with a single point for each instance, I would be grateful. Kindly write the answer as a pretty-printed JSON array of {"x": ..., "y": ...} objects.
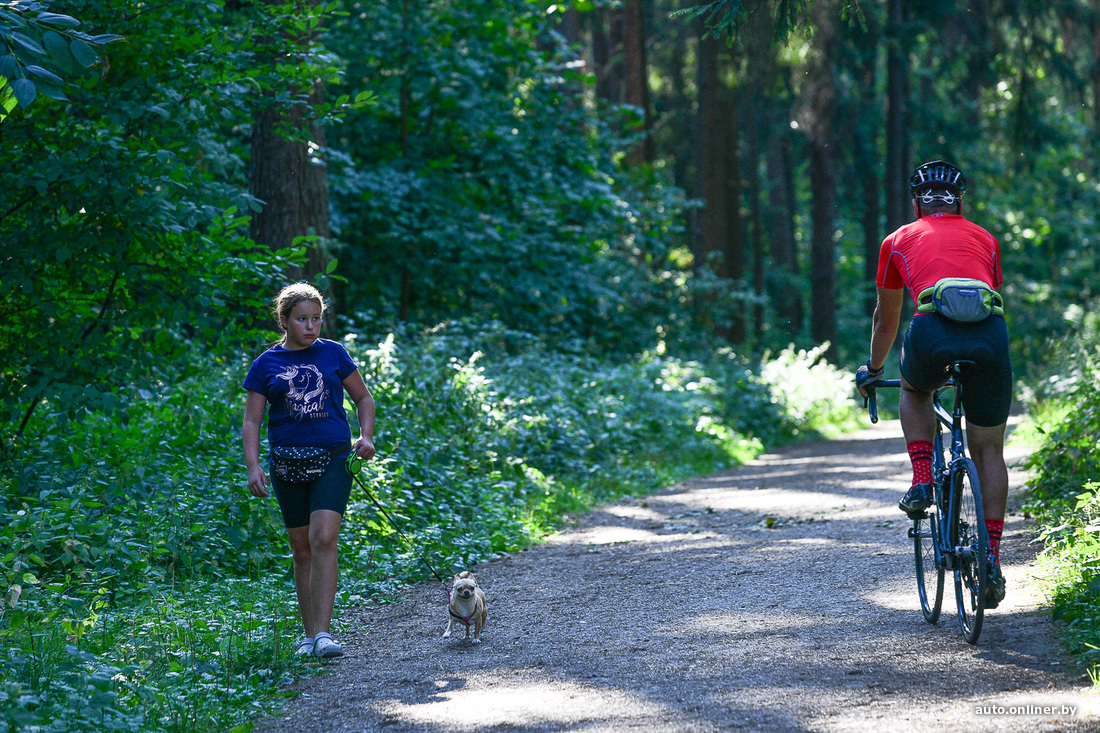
[{"x": 300, "y": 465}]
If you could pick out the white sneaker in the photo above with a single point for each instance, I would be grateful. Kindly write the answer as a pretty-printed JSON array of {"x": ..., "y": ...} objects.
[
  {"x": 305, "y": 646},
  {"x": 324, "y": 647}
]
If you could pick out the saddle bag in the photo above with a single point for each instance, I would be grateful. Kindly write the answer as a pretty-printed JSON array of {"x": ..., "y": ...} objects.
[{"x": 961, "y": 299}]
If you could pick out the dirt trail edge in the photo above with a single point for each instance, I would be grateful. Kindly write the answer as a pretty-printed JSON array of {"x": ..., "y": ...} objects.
[{"x": 776, "y": 596}]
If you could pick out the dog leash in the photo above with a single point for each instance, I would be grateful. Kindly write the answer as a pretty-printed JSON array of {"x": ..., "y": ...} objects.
[{"x": 354, "y": 465}]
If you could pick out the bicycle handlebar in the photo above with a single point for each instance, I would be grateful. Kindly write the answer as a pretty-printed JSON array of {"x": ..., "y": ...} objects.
[{"x": 870, "y": 401}]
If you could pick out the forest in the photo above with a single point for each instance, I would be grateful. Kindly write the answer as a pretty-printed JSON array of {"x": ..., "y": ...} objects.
[{"x": 580, "y": 250}]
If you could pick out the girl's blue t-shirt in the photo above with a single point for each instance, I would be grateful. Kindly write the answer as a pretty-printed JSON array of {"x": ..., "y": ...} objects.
[{"x": 305, "y": 393}]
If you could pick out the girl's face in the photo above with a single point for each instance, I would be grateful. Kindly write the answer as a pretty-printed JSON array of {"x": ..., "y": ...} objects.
[{"x": 303, "y": 326}]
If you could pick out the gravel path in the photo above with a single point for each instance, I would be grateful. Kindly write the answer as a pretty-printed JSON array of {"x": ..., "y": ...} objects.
[{"x": 776, "y": 596}]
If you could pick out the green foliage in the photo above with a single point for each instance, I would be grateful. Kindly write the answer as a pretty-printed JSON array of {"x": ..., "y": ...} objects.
[
  {"x": 123, "y": 234},
  {"x": 1071, "y": 569},
  {"x": 724, "y": 18},
  {"x": 1064, "y": 494},
  {"x": 166, "y": 662},
  {"x": 131, "y": 502},
  {"x": 1069, "y": 456},
  {"x": 30, "y": 36},
  {"x": 482, "y": 183},
  {"x": 810, "y": 393},
  {"x": 481, "y": 454}
]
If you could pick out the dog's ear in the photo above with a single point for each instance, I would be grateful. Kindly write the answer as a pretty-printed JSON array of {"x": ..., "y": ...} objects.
[{"x": 463, "y": 574}]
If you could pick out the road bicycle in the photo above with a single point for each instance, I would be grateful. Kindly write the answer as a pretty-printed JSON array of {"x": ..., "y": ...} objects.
[{"x": 951, "y": 534}]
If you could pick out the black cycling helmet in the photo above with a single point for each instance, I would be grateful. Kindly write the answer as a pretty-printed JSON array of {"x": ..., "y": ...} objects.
[{"x": 939, "y": 175}]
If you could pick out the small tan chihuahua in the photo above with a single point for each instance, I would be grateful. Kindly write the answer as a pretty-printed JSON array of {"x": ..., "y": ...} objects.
[{"x": 466, "y": 605}]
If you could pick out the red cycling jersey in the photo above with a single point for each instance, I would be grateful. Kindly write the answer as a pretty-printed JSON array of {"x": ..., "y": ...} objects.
[{"x": 920, "y": 254}]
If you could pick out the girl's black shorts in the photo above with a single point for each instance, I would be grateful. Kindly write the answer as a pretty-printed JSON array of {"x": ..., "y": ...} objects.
[
  {"x": 331, "y": 491},
  {"x": 932, "y": 342}
]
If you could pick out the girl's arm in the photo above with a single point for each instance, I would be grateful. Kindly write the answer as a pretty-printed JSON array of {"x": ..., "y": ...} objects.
[
  {"x": 254, "y": 408},
  {"x": 364, "y": 408}
]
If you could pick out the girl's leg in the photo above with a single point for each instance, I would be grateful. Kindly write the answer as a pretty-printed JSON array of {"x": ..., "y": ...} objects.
[
  {"x": 303, "y": 575},
  {"x": 324, "y": 531}
]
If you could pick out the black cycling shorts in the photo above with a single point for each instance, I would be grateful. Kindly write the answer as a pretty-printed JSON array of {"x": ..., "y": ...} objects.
[
  {"x": 932, "y": 342},
  {"x": 298, "y": 501}
]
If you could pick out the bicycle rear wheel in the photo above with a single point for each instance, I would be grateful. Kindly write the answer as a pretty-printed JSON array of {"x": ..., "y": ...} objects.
[
  {"x": 929, "y": 577},
  {"x": 971, "y": 544}
]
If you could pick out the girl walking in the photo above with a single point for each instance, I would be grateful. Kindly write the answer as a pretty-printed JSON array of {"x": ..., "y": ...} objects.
[{"x": 299, "y": 383}]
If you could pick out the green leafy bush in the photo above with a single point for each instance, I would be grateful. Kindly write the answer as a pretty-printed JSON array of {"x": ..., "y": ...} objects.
[
  {"x": 1068, "y": 456},
  {"x": 204, "y": 660},
  {"x": 1064, "y": 494},
  {"x": 1071, "y": 561},
  {"x": 483, "y": 184},
  {"x": 481, "y": 454}
]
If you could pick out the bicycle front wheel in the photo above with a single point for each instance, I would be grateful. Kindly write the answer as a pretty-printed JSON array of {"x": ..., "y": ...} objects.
[
  {"x": 970, "y": 542},
  {"x": 929, "y": 574}
]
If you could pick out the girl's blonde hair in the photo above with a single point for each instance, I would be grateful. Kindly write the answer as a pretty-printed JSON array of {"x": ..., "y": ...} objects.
[{"x": 291, "y": 296}]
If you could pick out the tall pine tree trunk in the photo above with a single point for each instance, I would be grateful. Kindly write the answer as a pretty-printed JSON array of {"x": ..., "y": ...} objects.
[
  {"x": 1095, "y": 29},
  {"x": 677, "y": 113},
  {"x": 769, "y": 142},
  {"x": 718, "y": 237},
  {"x": 866, "y": 154},
  {"x": 756, "y": 217},
  {"x": 289, "y": 175},
  {"x": 607, "y": 53},
  {"x": 780, "y": 216},
  {"x": 897, "y": 155},
  {"x": 636, "y": 74},
  {"x": 820, "y": 116},
  {"x": 287, "y": 171}
]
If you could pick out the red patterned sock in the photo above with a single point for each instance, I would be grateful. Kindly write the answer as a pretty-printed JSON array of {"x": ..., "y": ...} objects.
[
  {"x": 920, "y": 453},
  {"x": 995, "y": 528}
]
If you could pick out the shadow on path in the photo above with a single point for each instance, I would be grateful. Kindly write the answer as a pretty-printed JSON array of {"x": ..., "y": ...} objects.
[{"x": 777, "y": 596}]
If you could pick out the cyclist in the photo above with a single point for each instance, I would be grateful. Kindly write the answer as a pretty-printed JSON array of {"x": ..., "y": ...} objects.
[{"x": 941, "y": 244}]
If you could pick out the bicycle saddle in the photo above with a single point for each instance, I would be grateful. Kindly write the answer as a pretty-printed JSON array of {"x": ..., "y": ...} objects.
[{"x": 959, "y": 367}]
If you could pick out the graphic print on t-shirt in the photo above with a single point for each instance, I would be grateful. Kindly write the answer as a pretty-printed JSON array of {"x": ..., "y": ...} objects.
[{"x": 305, "y": 396}]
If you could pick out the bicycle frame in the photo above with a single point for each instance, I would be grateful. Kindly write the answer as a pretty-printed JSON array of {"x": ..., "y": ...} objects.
[
  {"x": 954, "y": 526},
  {"x": 946, "y": 551}
]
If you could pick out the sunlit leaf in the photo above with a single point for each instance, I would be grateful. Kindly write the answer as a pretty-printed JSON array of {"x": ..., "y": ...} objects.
[{"x": 8, "y": 102}]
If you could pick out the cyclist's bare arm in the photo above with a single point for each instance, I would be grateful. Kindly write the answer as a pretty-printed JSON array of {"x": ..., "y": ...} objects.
[{"x": 884, "y": 328}]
